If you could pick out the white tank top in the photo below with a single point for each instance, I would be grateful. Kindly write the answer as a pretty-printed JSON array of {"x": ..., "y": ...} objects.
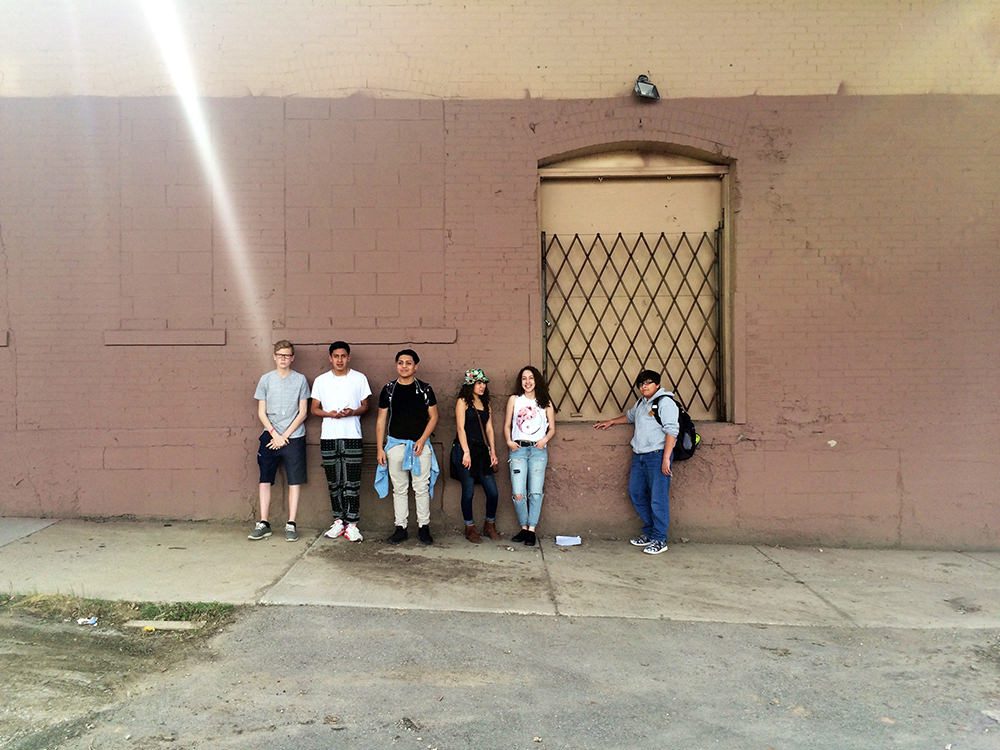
[{"x": 530, "y": 421}]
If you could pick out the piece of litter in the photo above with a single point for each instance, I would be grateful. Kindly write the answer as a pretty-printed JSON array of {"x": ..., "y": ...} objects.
[
  {"x": 568, "y": 541},
  {"x": 165, "y": 624},
  {"x": 87, "y": 621}
]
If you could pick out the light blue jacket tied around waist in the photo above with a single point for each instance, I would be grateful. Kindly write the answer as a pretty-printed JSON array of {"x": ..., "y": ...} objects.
[{"x": 410, "y": 463}]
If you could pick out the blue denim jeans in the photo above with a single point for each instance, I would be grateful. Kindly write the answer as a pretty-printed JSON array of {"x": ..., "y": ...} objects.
[
  {"x": 527, "y": 476},
  {"x": 469, "y": 487},
  {"x": 649, "y": 491}
]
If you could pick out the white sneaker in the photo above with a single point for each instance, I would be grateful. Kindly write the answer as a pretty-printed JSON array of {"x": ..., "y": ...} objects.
[
  {"x": 336, "y": 530},
  {"x": 352, "y": 534}
]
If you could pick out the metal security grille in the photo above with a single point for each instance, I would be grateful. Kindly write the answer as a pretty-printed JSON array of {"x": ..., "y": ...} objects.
[{"x": 616, "y": 304}]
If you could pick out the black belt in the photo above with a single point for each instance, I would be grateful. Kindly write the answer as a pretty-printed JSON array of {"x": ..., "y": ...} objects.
[{"x": 525, "y": 443}]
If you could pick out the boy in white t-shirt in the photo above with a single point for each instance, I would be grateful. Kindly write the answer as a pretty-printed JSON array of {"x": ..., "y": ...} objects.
[{"x": 340, "y": 396}]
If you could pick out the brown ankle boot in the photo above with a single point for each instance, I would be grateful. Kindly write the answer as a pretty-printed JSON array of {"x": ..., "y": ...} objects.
[
  {"x": 472, "y": 535},
  {"x": 490, "y": 530}
]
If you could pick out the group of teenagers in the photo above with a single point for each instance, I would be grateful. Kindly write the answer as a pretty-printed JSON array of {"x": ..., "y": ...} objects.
[{"x": 408, "y": 415}]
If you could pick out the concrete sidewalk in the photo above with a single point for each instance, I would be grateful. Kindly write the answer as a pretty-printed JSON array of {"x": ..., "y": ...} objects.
[{"x": 204, "y": 561}]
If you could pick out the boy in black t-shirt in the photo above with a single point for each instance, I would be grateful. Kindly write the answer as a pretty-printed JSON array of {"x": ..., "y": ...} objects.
[{"x": 407, "y": 415}]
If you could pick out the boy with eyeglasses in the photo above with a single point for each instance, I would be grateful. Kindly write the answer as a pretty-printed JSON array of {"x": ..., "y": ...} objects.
[
  {"x": 655, "y": 416},
  {"x": 282, "y": 407}
]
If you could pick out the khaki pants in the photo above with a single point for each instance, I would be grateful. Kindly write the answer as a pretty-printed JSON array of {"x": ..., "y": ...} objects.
[{"x": 401, "y": 480}]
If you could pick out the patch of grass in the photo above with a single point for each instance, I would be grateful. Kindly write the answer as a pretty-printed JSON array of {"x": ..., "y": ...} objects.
[
  {"x": 61, "y": 607},
  {"x": 208, "y": 612},
  {"x": 69, "y": 608}
]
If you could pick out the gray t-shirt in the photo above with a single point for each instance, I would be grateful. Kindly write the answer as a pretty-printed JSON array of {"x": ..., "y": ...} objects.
[{"x": 282, "y": 396}]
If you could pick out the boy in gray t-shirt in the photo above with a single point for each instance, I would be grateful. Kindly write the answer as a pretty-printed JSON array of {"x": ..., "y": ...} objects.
[{"x": 282, "y": 406}]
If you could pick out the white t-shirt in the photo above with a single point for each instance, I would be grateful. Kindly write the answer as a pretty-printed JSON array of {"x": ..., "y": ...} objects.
[
  {"x": 337, "y": 392},
  {"x": 530, "y": 420}
]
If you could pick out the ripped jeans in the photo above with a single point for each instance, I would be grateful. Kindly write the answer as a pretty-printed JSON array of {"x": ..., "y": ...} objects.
[{"x": 527, "y": 475}]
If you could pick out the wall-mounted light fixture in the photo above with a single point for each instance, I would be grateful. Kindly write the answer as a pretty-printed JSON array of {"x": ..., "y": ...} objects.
[{"x": 644, "y": 89}]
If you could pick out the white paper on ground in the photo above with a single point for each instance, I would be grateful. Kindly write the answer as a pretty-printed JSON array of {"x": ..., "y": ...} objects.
[{"x": 568, "y": 541}]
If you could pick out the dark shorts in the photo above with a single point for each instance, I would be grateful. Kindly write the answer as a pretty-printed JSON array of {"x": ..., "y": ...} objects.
[{"x": 292, "y": 455}]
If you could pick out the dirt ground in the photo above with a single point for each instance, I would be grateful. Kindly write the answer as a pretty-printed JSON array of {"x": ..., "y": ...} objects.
[
  {"x": 58, "y": 675},
  {"x": 316, "y": 678}
]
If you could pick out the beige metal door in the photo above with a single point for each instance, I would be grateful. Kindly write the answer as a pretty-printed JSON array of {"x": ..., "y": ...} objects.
[{"x": 631, "y": 248}]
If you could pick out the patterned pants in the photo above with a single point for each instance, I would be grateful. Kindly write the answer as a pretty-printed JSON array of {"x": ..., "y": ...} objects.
[{"x": 342, "y": 463}]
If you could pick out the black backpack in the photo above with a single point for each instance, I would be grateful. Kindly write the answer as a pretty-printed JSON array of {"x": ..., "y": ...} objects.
[{"x": 687, "y": 438}]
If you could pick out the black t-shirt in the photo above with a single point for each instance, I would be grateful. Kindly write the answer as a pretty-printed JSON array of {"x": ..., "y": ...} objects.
[{"x": 408, "y": 411}]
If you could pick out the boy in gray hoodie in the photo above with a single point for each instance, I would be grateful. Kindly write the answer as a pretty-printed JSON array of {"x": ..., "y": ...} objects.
[{"x": 655, "y": 416}]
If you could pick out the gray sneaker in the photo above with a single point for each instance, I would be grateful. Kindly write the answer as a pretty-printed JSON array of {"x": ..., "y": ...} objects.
[
  {"x": 291, "y": 535},
  {"x": 260, "y": 531},
  {"x": 641, "y": 541},
  {"x": 655, "y": 548}
]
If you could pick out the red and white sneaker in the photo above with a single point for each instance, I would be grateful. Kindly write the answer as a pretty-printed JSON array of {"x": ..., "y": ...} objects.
[
  {"x": 352, "y": 534},
  {"x": 336, "y": 530}
]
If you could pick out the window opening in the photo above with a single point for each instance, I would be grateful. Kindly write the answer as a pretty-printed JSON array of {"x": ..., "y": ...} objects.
[{"x": 616, "y": 304}]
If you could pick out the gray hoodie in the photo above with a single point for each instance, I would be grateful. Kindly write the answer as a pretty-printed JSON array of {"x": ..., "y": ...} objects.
[{"x": 649, "y": 434}]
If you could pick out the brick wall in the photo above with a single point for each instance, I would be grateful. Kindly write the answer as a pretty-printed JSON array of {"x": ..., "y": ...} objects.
[
  {"x": 865, "y": 263},
  {"x": 370, "y": 172},
  {"x": 557, "y": 49}
]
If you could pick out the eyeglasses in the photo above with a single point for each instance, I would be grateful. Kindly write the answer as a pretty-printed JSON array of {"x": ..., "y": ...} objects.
[
  {"x": 285, "y": 356},
  {"x": 647, "y": 382}
]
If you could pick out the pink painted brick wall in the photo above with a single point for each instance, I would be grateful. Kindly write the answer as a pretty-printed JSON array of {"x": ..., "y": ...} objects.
[{"x": 865, "y": 267}]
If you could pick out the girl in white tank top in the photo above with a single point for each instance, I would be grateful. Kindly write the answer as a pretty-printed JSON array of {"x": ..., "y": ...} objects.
[{"x": 530, "y": 424}]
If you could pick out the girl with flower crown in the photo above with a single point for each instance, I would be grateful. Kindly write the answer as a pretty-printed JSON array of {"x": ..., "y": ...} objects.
[{"x": 473, "y": 453}]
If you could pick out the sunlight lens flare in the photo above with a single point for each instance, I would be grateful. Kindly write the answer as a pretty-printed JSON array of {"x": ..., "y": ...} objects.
[{"x": 162, "y": 18}]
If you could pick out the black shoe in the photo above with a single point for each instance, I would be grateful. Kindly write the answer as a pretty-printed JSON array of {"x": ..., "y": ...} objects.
[
  {"x": 520, "y": 536},
  {"x": 529, "y": 539},
  {"x": 398, "y": 536},
  {"x": 424, "y": 535}
]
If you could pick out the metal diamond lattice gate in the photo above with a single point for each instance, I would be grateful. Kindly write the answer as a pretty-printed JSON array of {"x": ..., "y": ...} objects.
[{"x": 616, "y": 304}]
